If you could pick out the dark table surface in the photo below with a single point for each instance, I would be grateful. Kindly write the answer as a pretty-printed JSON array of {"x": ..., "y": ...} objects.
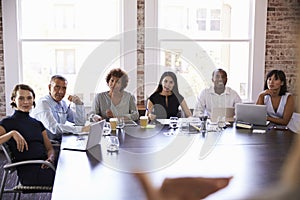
[{"x": 253, "y": 159}]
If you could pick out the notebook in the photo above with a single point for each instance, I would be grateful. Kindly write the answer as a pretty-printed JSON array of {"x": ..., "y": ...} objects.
[
  {"x": 84, "y": 143},
  {"x": 228, "y": 113},
  {"x": 130, "y": 122},
  {"x": 252, "y": 113}
]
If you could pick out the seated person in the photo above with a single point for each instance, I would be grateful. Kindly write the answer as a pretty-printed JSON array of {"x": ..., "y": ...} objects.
[
  {"x": 116, "y": 102},
  {"x": 216, "y": 96},
  {"x": 27, "y": 139},
  {"x": 166, "y": 99},
  {"x": 280, "y": 103},
  {"x": 54, "y": 112}
]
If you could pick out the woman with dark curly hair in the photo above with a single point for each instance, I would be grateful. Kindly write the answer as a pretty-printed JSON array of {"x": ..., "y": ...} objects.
[
  {"x": 116, "y": 102},
  {"x": 280, "y": 103}
]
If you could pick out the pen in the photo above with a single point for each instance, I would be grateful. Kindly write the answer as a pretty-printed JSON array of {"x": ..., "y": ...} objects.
[{"x": 196, "y": 127}]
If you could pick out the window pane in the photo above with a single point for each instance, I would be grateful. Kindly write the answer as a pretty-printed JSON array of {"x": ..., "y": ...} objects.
[
  {"x": 41, "y": 60},
  {"x": 70, "y": 19},
  {"x": 195, "y": 64},
  {"x": 60, "y": 36},
  {"x": 225, "y": 19},
  {"x": 65, "y": 61}
]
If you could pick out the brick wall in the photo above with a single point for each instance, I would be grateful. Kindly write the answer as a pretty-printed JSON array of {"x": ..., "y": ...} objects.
[
  {"x": 281, "y": 45},
  {"x": 2, "y": 79},
  {"x": 283, "y": 16},
  {"x": 140, "y": 52}
]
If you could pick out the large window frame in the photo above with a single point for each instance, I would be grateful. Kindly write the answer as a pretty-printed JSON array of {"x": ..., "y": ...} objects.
[
  {"x": 13, "y": 49},
  {"x": 257, "y": 38},
  {"x": 12, "y": 54}
]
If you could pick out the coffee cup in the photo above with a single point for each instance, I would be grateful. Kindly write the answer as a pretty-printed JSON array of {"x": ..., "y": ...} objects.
[
  {"x": 113, "y": 123},
  {"x": 143, "y": 121}
]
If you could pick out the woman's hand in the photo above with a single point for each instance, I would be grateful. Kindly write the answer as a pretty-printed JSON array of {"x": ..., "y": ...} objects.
[
  {"x": 109, "y": 113},
  {"x": 152, "y": 117},
  {"x": 21, "y": 142},
  {"x": 50, "y": 160}
]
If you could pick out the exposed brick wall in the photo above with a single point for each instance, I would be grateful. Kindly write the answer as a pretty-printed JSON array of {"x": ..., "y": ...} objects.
[
  {"x": 281, "y": 46},
  {"x": 140, "y": 51},
  {"x": 283, "y": 15},
  {"x": 2, "y": 79}
]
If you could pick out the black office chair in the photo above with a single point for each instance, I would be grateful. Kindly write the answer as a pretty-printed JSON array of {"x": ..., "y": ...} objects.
[{"x": 9, "y": 170}]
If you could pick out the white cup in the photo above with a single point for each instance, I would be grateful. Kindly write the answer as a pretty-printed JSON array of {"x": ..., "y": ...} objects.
[{"x": 143, "y": 121}]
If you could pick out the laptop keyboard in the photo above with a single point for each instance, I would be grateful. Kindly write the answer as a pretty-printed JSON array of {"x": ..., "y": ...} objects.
[{"x": 81, "y": 142}]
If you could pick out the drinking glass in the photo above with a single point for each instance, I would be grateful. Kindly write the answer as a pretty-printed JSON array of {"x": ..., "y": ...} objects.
[
  {"x": 184, "y": 127},
  {"x": 106, "y": 129},
  {"x": 112, "y": 143},
  {"x": 173, "y": 122},
  {"x": 120, "y": 123},
  {"x": 221, "y": 122}
]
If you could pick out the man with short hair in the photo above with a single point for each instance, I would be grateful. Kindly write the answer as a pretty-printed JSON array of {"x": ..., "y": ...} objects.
[
  {"x": 54, "y": 112},
  {"x": 216, "y": 96}
]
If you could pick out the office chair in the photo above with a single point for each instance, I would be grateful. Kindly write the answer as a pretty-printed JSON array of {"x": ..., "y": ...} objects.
[{"x": 10, "y": 168}]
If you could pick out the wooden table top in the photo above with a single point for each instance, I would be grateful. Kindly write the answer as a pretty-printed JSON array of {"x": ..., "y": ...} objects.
[{"x": 253, "y": 159}]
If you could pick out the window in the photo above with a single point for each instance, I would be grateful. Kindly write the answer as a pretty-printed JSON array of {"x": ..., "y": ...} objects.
[
  {"x": 215, "y": 21},
  {"x": 184, "y": 35},
  {"x": 65, "y": 61},
  {"x": 64, "y": 16},
  {"x": 79, "y": 39},
  {"x": 201, "y": 19},
  {"x": 218, "y": 33}
]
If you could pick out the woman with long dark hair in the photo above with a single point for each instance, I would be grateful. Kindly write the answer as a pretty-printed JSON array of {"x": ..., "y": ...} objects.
[
  {"x": 166, "y": 99},
  {"x": 280, "y": 103}
]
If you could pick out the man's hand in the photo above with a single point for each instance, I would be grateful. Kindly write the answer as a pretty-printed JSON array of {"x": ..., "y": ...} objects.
[
  {"x": 75, "y": 99},
  {"x": 86, "y": 128}
]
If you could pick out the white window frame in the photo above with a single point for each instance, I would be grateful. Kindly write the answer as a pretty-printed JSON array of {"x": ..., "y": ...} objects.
[
  {"x": 12, "y": 49},
  {"x": 257, "y": 45}
]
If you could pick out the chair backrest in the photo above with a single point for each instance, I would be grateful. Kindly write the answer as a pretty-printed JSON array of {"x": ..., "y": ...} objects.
[
  {"x": 294, "y": 124},
  {"x": 8, "y": 153}
]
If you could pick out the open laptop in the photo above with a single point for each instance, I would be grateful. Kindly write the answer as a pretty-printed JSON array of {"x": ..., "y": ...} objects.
[
  {"x": 227, "y": 112},
  {"x": 84, "y": 143},
  {"x": 252, "y": 113}
]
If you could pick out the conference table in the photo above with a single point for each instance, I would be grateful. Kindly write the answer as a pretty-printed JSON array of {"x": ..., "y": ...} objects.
[{"x": 254, "y": 160}]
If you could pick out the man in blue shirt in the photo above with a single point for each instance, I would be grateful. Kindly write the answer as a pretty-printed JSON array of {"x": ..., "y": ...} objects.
[{"x": 54, "y": 112}]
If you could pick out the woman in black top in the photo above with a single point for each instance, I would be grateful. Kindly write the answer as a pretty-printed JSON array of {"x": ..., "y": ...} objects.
[
  {"x": 27, "y": 139},
  {"x": 166, "y": 99}
]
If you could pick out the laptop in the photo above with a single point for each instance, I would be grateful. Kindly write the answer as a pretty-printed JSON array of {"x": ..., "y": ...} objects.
[
  {"x": 252, "y": 113},
  {"x": 84, "y": 143},
  {"x": 227, "y": 112}
]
